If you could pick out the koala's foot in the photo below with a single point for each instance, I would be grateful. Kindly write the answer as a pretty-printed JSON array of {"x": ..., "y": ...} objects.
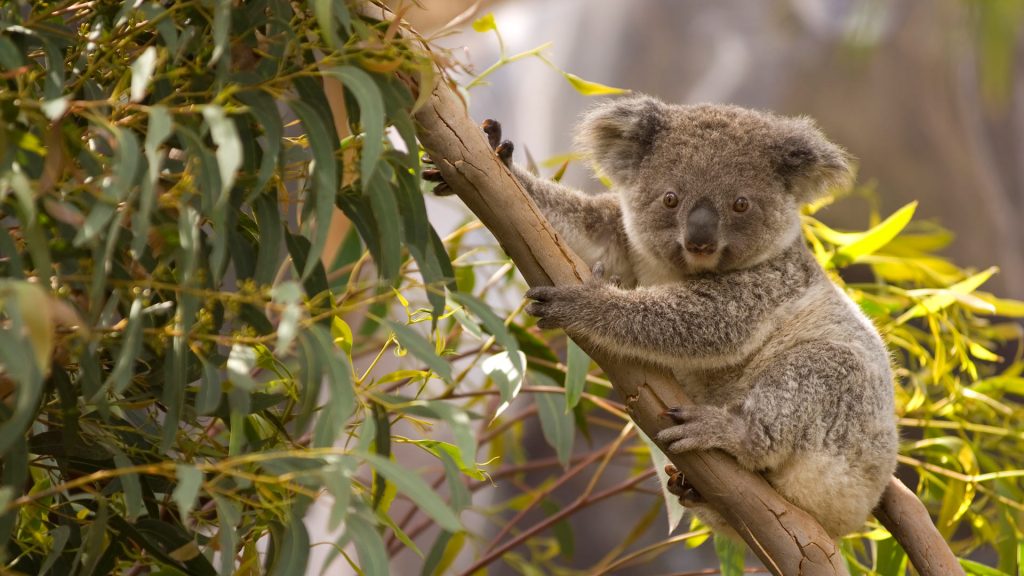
[
  {"x": 699, "y": 427},
  {"x": 492, "y": 128},
  {"x": 677, "y": 485}
]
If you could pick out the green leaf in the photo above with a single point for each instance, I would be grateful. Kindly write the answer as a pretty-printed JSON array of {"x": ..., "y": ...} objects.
[
  {"x": 131, "y": 486},
  {"x": 60, "y": 536},
  {"x": 268, "y": 218},
  {"x": 978, "y": 569},
  {"x": 673, "y": 509},
  {"x": 337, "y": 478},
  {"x": 342, "y": 334},
  {"x": 506, "y": 369},
  {"x": 890, "y": 557},
  {"x": 241, "y": 363},
  {"x": 940, "y": 299},
  {"x": 229, "y": 147},
  {"x": 730, "y": 555},
  {"x": 221, "y": 29},
  {"x": 10, "y": 56},
  {"x": 869, "y": 242},
  {"x": 444, "y": 551},
  {"x": 422, "y": 349},
  {"x": 324, "y": 10},
  {"x": 575, "y": 374},
  {"x": 494, "y": 325},
  {"x": 417, "y": 490},
  {"x": 588, "y": 88},
  {"x": 556, "y": 421},
  {"x": 190, "y": 479},
  {"x": 386, "y": 214},
  {"x": 371, "y": 114},
  {"x": 325, "y": 180},
  {"x": 131, "y": 345},
  {"x": 341, "y": 399},
  {"x": 229, "y": 514},
  {"x": 287, "y": 294},
  {"x": 373, "y": 557},
  {"x": 208, "y": 398},
  {"x": 142, "y": 73},
  {"x": 292, "y": 547},
  {"x": 458, "y": 421},
  {"x": 158, "y": 131},
  {"x": 54, "y": 109},
  {"x": 264, "y": 110},
  {"x": 562, "y": 529}
]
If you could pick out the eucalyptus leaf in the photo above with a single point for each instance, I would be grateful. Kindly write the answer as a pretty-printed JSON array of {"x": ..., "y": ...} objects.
[
  {"x": 556, "y": 421},
  {"x": 417, "y": 490}
]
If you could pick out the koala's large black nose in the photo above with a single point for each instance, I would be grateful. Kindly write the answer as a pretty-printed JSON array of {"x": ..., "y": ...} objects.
[{"x": 701, "y": 231}]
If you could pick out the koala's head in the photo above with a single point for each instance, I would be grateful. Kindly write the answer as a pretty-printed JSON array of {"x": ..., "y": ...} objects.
[{"x": 710, "y": 187}]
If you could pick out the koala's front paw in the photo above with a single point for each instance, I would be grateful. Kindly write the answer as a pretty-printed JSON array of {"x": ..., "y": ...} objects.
[
  {"x": 492, "y": 128},
  {"x": 554, "y": 306},
  {"x": 504, "y": 149},
  {"x": 697, "y": 428}
]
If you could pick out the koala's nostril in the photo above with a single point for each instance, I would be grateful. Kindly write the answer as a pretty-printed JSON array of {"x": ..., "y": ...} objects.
[{"x": 702, "y": 248}]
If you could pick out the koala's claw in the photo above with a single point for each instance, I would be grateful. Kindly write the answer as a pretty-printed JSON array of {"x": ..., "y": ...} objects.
[
  {"x": 677, "y": 485},
  {"x": 492, "y": 128},
  {"x": 504, "y": 151},
  {"x": 550, "y": 305}
]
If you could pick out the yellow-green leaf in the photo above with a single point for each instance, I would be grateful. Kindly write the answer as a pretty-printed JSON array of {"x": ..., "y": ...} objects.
[
  {"x": 588, "y": 88},
  {"x": 485, "y": 23},
  {"x": 943, "y": 298},
  {"x": 869, "y": 242}
]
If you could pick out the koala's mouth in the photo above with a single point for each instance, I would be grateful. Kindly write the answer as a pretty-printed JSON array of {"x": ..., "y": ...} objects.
[{"x": 702, "y": 262}]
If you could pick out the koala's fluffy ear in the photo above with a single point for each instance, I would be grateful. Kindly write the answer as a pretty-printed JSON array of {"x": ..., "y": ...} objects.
[
  {"x": 619, "y": 133},
  {"x": 808, "y": 163}
]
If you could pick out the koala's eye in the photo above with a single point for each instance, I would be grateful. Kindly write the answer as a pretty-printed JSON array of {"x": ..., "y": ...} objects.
[
  {"x": 741, "y": 204},
  {"x": 671, "y": 199}
]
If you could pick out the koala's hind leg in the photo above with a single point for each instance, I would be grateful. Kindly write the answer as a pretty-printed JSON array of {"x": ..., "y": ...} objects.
[
  {"x": 678, "y": 486},
  {"x": 695, "y": 503}
]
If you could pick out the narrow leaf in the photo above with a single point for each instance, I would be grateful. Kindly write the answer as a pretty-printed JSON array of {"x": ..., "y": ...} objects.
[
  {"x": 190, "y": 479},
  {"x": 576, "y": 374},
  {"x": 417, "y": 490},
  {"x": 556, "y": 421},
  {"x": 869, "y": 242},
  {"x": 422, "y": 349}
]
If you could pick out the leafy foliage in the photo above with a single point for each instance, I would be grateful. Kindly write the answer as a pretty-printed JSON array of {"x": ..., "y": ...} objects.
[{"x": 188, "y": 361}]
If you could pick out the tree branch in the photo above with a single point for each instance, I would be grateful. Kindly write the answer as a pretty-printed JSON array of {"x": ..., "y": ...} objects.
[{"x": 785, "y": 538}]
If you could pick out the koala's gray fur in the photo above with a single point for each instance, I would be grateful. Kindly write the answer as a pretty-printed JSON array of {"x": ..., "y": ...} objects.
[{"x": 788, "y": 375}]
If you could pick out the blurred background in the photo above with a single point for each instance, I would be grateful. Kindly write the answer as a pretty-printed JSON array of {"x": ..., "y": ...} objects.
[{"x": 927, "y": 95}]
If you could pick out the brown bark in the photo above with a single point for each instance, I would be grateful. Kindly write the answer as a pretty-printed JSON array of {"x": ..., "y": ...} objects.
[{"x": 908, "y": 521}]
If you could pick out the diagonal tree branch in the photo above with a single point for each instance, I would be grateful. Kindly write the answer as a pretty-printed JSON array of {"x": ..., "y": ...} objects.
[{"x": 785, "y": 538}]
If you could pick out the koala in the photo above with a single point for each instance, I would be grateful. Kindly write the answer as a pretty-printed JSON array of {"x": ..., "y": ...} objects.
[{"x": 715, "y": 283}]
